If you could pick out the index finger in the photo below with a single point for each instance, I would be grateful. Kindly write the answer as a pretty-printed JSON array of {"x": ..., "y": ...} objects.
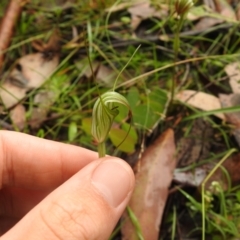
[{"x": 31, "y": 162}]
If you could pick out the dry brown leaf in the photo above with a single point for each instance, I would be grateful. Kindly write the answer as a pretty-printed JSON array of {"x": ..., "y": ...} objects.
[
  {"x": 44, "y": 100},
  {"x": 124, "y": 5},
  {"x": 232, "y": 100},
  {"x": 232, "y": 165},
  {"x": 191, "y": 178},
  {"x": 195, "y": 144},
  {"x": 143, "y": 11},
  {"x": 206, "y": 23},
  {"x": 85, "y": 69},
  {"x": 106, "y": 75},
  {"x": 217, "y": 11},
  {"x": 102, "y": 73},
  {"x": 200, "y": 100},
  {"x": 37, "y": 68},
  {"x": 225, "y": 9},
  {"x": 31, "y": 72},
  {"x": 238, "y": 12},
  {"x": 233, "y": 72},
  {"x": 11, "y": 94},
  {"x": 151, "y": 191},
  {"x": 17, "y": 115}
]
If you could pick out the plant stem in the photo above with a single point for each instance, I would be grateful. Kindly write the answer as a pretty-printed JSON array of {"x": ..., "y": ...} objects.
[
  {"x": 176, "y": 46},
  {"x": 101, "y": 150}
]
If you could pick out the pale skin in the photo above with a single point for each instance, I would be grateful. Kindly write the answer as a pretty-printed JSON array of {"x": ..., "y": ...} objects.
[{"x": 51, "y": 190}]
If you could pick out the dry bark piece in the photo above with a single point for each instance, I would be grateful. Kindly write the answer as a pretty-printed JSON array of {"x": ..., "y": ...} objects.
[
  {"x": 196, "y": 145},
  {"x": 151, "y": 191}
]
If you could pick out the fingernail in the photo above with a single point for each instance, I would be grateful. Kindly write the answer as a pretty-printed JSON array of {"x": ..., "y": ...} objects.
[{"x": 113, "y": 179}]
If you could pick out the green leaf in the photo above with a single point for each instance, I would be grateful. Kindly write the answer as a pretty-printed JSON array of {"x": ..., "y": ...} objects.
[
  {"x": 150, "y": 111},
  {"x": 157, "y": 99},
  {"x": 116, "y": 135},
  {"x": 72, "y": 131},
  {"x": 132, "y": 132},
  {"x": 133, "y": 97},
  {"x": 144, "y": 116}
]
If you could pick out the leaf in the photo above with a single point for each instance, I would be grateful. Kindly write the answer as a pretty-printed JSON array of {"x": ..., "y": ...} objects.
[
  {"x": 86, "y": 125},
  {"x": 157, "y": 99},
  {"x": 144, "y": 10},
  {"x": 72, "y": 131},
  {"x": 151, "y": 191},
  {"x": 231, "y": 100},
  {"x": 17, "y": 115},
  {"x": 225, "y": 10},
  {"x": 116, "y": 135},
  {"x": 30, "y": 72},
  {"x": 200, "y": 100},
  {"x": 133, "y": 97},
  {"x": 150, "y": 110},
  {"x": 144, "y": 116},
  {"x": 233, "y": 72},
  {"x": 132, "y": 132}
]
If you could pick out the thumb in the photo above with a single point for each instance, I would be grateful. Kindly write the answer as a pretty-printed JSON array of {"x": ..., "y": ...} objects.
[{"x": 87, "y": 206}]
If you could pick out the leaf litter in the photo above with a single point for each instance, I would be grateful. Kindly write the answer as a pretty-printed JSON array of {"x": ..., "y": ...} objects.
[
  {"x": 151, "y": 192},
  {"x": 157, "y": 166}
]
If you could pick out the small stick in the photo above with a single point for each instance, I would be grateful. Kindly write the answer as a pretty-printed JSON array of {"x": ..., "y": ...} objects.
[{"x": 7, "y": 24}]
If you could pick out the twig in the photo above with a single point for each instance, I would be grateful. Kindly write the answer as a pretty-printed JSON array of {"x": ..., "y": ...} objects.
[{"x": 12, "y": 13}]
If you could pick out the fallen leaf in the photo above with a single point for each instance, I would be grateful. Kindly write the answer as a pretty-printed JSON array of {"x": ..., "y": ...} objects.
[
  {"x": 238, "y": 12},
  {"x": 11, "y": 94},
  {"x": 36, "y": 68},
  {"x": 151, "y": 191},
  {"x": 194, "y": 143},
  {"x": 18, "y": 117},
  {"x": 145, "y": 10},
  {"x": 231, "y": 166},
  {"x": 31, "y": 72},
  {"x": 233, "y": 72},
  {"x": 85, "y": 69},
  {"x": 122, "y": 6},
  {"x": 200, "y": 100},
  {"x": 225, "y": 9},
  {"x": 196, "y": 13},
  {"x": 44, "y": 100},
  {"x": 192, "y": 178},
  {"x": 105, "y": 75},
  {"x": 206, "y": 23},
  {"x": 231, "y": 100}
]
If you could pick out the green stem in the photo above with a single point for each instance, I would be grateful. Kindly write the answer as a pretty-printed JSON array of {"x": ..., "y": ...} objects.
[
  {"x": 101, "y": 150},
  {"x": 176, "y": 46}
]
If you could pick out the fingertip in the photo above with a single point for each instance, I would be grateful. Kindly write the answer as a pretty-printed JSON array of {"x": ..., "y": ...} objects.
[{"x": 114, "y": 179}]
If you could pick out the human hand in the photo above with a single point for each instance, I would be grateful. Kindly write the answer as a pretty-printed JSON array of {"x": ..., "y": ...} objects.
[{"x": 57, "y": 191}]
